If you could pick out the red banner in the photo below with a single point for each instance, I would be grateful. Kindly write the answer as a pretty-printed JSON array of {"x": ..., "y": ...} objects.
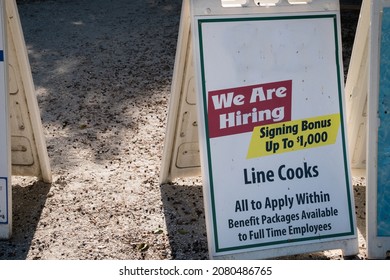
[{"x": 239, "y": 110}]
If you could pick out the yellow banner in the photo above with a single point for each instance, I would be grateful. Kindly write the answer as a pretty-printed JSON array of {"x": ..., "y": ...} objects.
[{"x": 294, "y": 135}]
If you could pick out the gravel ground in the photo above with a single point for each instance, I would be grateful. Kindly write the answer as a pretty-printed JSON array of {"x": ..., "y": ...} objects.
[{"x": 102, "y": 71}]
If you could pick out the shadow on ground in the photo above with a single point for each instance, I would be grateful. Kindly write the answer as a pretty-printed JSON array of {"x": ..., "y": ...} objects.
[
  {"x": 28, "y": 203},
  {"x": 185, "y": 221}
]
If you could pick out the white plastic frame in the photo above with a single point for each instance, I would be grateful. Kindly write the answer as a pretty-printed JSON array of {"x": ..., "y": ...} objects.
[{"x": 5, "y": 157}]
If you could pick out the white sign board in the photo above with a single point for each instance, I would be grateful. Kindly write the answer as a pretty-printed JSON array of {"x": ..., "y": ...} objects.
[
  {"x": 378, "y": 164},
  {"x": 5, "y": 189},
  {"x": 272, "y": 130}
]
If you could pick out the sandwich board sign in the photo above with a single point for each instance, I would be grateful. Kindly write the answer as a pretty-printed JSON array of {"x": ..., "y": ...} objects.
[
  {"x": 378, "y": 158},
  {"x": 272, "y": 136},
  {"x": 22, "y": 145},
  {"x": 5, "y": 167}
]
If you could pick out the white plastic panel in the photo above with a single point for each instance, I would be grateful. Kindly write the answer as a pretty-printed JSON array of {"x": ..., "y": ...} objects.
[
  {"x": 356, "y": 89},
  {"x": 233, "y": 3},
  {"x": 5, "y": 170},
  {"x": 28, "y": 147},
  {"x": 181, "y": 156}
]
